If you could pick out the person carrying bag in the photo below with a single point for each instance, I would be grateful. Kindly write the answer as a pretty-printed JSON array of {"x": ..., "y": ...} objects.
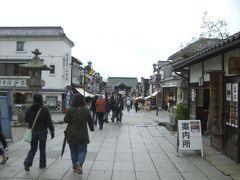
[
  {"x": 28, "y": 133},
  {"x": 39, "y": 120}
]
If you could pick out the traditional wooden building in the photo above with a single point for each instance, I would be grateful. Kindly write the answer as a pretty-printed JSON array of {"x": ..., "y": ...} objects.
[{"x": 214, "y": 77}]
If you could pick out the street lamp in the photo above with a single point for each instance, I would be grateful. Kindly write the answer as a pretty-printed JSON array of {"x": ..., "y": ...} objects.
[{"x": 156, "y": 68}]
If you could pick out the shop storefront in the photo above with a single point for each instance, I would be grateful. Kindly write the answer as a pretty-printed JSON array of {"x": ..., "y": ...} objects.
[{"x": 214, "y": 77}]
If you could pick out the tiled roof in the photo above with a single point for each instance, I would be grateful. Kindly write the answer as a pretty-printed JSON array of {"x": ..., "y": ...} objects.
[
  {"x": 43, "y": 31},
  {"x": 129, "y": 81},
  {"x": 211, "y": 51}
]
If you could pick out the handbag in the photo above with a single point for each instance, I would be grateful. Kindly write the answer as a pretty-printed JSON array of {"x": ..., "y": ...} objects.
[{"x": 28, "y": 133}]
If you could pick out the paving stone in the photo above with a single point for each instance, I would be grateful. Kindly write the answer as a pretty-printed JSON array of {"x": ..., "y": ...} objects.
[
  {"x": 146, "y": 166},
  {"x": 100, "y": 175},
  {"x": 143, "y": 175},
  {"x": 102, "y": 166},
  {"x": 105, "y": 156},
  {"x": 194, "y": 175},
  {"x": 171, "y": 175},
  {"x": 123, "y": 166},
  {"x": 53, "y": 173},
  {"x": 10, "y": 171},
  {"x": 121, "y": 175},
  {"x": 71, "y": 175},
  {"x": 141, "y": 157},
  {"x": 136, "y": 149}
]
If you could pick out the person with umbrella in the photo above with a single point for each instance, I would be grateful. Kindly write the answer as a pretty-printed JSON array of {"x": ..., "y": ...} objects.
[{"x": 78, "y": 118}]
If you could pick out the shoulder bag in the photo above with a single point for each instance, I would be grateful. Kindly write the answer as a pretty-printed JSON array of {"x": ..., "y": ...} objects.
[{"x": 28, "y": 134}]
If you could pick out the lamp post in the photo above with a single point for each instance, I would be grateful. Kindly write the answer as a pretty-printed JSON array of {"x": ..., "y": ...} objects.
[{"x": 156, "y": 68}]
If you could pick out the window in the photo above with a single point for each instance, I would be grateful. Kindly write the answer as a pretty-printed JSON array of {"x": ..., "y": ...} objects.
[
  {"x": 52, "y": 69},
  {"x": 20, "y": 46},
  {"x": 51, "y": 100},
  {"x": 12, "y": 70}
]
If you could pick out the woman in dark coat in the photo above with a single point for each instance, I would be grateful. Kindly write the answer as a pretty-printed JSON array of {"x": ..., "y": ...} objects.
[
  {"x": 39, "y": 132},
  {"x": 78, "y": 117}
]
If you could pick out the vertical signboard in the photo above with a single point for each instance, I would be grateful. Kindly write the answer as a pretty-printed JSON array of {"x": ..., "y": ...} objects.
[
  {"x": 67, "y": 70},
  {"x": 190, "y": 135},
  {"x": 67, "y": 97},
  {"x": 5, "y": 117}
]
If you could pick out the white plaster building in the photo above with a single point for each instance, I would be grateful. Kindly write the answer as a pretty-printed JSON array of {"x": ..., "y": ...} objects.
[{"x": 16, "y": 46}]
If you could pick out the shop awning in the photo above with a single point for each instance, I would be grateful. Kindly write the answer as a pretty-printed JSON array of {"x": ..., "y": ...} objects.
[
  {"x": 140, "y": 97},
  {"x": 81, "y": 91},
  {"x": 151, "y": 95}
]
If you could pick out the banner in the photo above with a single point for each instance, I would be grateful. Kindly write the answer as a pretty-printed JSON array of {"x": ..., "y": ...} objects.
[{"x": 5, "y": 117}]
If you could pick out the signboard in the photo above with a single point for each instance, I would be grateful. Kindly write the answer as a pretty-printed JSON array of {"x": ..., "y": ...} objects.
[
  {"x": 5, "y": 117},
  {"x": 235, "y": 92},
  {"x": 190, "y": 135},
  {"x": 228, "y": 91},
  {"x": 4, "y": 82},
  {"x": 234, "y": 65},
  {"x": 66, "y": 68}
]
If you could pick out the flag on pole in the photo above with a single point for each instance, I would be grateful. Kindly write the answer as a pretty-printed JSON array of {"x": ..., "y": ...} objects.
[{"x": 92, "y": 72}]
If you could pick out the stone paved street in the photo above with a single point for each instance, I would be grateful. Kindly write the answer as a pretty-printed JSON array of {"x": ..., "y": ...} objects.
[{"x": 136, "y": 149}]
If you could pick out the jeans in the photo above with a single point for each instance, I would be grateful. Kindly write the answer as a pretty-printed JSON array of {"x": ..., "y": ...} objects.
[
  {"x": 78, "y": 153},
  {"x": 41, "y": 137}
]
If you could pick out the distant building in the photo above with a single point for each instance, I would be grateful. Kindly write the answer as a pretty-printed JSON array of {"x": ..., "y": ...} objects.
[{"x": 124, "y": 85}]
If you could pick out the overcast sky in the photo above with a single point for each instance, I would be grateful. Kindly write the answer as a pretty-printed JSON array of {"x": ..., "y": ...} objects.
[{"x": 122, "y": 37}]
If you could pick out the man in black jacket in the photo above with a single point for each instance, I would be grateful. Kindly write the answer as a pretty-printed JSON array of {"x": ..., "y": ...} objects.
[{"x": 39, "y": 132}]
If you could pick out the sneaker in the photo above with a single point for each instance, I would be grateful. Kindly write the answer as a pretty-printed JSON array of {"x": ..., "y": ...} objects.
[
  {"x": 26, "y": 166},
  {"x": 79, "y": 168}
]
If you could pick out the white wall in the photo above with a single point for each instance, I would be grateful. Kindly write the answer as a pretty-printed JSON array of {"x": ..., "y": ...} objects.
[
  {"x": 195, "y": 72},
  {"x": 212, "y": 64},
  {"x": 53, "y": 53}
]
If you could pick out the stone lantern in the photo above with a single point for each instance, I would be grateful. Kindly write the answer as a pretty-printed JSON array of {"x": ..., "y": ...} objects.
[
  {"x": 35, "y": 83},
  {"x": 35, "y": 66}
]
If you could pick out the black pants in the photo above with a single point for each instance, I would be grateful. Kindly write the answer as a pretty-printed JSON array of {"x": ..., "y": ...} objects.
[
  {"x": 100, "y": 116},
  {"x": 3, "y": 140}
]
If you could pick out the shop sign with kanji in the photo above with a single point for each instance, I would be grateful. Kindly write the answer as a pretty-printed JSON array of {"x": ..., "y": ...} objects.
[{"x": 190, "y": 135}]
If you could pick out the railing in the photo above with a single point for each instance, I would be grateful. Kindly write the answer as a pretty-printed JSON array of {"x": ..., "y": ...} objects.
[{"x": 18, "y": 108}]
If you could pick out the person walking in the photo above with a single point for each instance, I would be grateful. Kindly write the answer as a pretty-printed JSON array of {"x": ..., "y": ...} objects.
[
  {"x": 39, "y": 132},
  {"x": 100, "y": 110},
  {"x": 107, "y": 108},
  {"x": 128, "y": 104},
  {"x": 136, "y": 105},
  {"x": 113, "y": 105},
  {"x": 78, "y": 118},
  {"x": 119, "y": 107},
  {"x": 93, "y": 109}
]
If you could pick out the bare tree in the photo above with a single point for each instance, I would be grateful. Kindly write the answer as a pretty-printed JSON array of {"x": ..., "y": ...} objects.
[{"x": 213, "y": 29}]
